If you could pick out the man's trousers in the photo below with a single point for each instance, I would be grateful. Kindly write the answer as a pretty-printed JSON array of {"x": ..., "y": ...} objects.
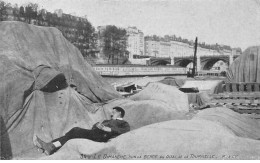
[{"x": 76, "y": 132}]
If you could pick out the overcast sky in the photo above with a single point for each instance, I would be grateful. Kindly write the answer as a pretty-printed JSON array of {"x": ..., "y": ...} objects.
[{"x": 231, "y": 22}]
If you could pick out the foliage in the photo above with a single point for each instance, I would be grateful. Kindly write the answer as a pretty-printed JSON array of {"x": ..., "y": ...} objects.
[
  {"x": 77, "y": 30},
  {"x": 31, "y": 12},
  {"x": 115, "y": 44},
  {"x": 85, "y": 34},
  {"x": 3, "y": 10}
]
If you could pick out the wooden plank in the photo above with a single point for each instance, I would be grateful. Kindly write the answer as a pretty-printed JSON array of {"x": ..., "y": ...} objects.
[
  {"x": 249, "y": 87},
  {"x": 257, "y": 87},
  {"x": 255, "y": 104},
  {"x": 253, "y": 116},
  {"x": 239, "y": 105},
  {"x": 228, "y": 87},
  {"x": 243, "y": 107},
  {"x": 255, "y": 101},
  {"x": 234, "y": 87},
  {"x": 248, "y": 111},
  {"x": 241, "y": 87},
  {"x": 255, "y": 95},
  {"x": 230, "y": 101},
  {"x": 217, "y": 97}
]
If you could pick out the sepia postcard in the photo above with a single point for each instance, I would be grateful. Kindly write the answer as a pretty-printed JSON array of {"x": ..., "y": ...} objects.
[{"x": 130, "y": 79}]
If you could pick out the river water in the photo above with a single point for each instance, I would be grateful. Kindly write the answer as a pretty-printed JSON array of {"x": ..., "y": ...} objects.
[{"x": 122, "y": 80}]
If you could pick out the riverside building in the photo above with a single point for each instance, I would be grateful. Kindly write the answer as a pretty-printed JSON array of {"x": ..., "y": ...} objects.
[{"x": 135, "y": 42}]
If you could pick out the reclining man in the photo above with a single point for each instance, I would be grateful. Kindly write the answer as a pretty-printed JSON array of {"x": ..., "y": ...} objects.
[{"x": 100, "y": 132}]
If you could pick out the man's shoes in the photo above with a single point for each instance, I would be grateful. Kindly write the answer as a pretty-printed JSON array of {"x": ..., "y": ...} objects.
[{"x": 48, "y": 148}]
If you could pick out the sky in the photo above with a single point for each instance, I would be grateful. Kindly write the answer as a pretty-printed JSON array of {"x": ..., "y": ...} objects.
[{"x": 231, "y": 22}]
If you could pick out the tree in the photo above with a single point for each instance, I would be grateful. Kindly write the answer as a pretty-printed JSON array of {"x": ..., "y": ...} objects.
[
  {"x": 167, "y": 38},
  {"x": 85, "y": 35},
  {"x": 34, "y": 10},
  {"x": 21, "y": 13},
  {"x": 28, "y": 14},
  {"x": 115, "y": 40},
  {"x": 31, "y": 12},
  {"x": 3, "y": 10},
  {"x": 48, "y": 18},
  {"x": 179, "y": 39},
  {"x": 41, "y": 16},
  {"x": 156, "y": 38},
  {"x": 16, "y": 12}
]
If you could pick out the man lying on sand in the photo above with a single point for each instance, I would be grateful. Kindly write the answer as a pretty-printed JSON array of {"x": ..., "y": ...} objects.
[{"x": 100, "y": 132}]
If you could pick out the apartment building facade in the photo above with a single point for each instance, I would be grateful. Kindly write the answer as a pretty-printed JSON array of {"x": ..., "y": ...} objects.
[
  {"x": 177, "y": 49},
  {"x": 152, "y": 48},
  {"x": 135, "y": 42}
]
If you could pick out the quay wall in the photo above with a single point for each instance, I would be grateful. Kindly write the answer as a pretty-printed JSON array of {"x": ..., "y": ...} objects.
[{"x": 121, "y": 71}]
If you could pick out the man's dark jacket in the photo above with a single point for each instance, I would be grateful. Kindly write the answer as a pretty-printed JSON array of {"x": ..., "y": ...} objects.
[{"x": 117, "y": 126}]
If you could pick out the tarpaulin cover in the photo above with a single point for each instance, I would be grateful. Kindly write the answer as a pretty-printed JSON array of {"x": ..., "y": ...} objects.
[
  {"x": 176, "y": 139},
  {"x": 239, "y": 124},
  {"x": 30, "y": 58},
  {"x": 143, "y": 82},
  {"x": 50, "y": 115},
  {"x": 200, "y": 98},
  {"x": 246, "y": 68},
  {"x": 59, "y": 111},
  {"x": 173, "y": 81},
  {"x": 209, "y": 86},
  {"x": 144, "y": 112},
  {"x": 170, "y": 95}
]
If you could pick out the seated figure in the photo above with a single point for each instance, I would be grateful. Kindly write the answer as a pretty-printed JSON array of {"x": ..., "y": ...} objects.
[{"x": 100, "y": 132}]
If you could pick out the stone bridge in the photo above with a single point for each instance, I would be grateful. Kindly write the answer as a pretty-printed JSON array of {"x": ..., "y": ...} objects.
[
  {"x": 160, "y": 61},
  {"x": 204, "y": 62}
]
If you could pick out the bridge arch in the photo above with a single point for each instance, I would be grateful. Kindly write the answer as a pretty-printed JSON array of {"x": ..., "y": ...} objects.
[
  {"x": 160, "y": 61},
  {"x": 209, "y": 63},
  {"x": 183, "y": 62}
]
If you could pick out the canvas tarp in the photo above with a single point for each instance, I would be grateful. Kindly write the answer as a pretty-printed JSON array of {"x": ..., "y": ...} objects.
[
  {"x": 246, "y": 68},
  {"x": 50, "y": 115},
  {"x": 239, "y": 124},
  {"x": 171, "y": 96},
  {"x": 176, "y": 139},
  {"x": 200, "y": 98},
  {"x": 30, "y": 57},
  {"x": 173, "y": 81},
  {"x": 145, "y": 112},
  {"x": 143, "y": 82}
]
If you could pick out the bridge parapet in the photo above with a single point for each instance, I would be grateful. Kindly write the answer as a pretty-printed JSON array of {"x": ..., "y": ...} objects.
[
  {"x": 204, "y": 62},
  {"x": 135, "y": 70}
]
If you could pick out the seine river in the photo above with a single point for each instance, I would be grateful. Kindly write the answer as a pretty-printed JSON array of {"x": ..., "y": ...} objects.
[{"x": 122, "y": 80}]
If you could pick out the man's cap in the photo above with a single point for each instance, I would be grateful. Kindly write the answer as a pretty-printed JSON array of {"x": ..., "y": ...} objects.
[{"x": 121, "y": 110}]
